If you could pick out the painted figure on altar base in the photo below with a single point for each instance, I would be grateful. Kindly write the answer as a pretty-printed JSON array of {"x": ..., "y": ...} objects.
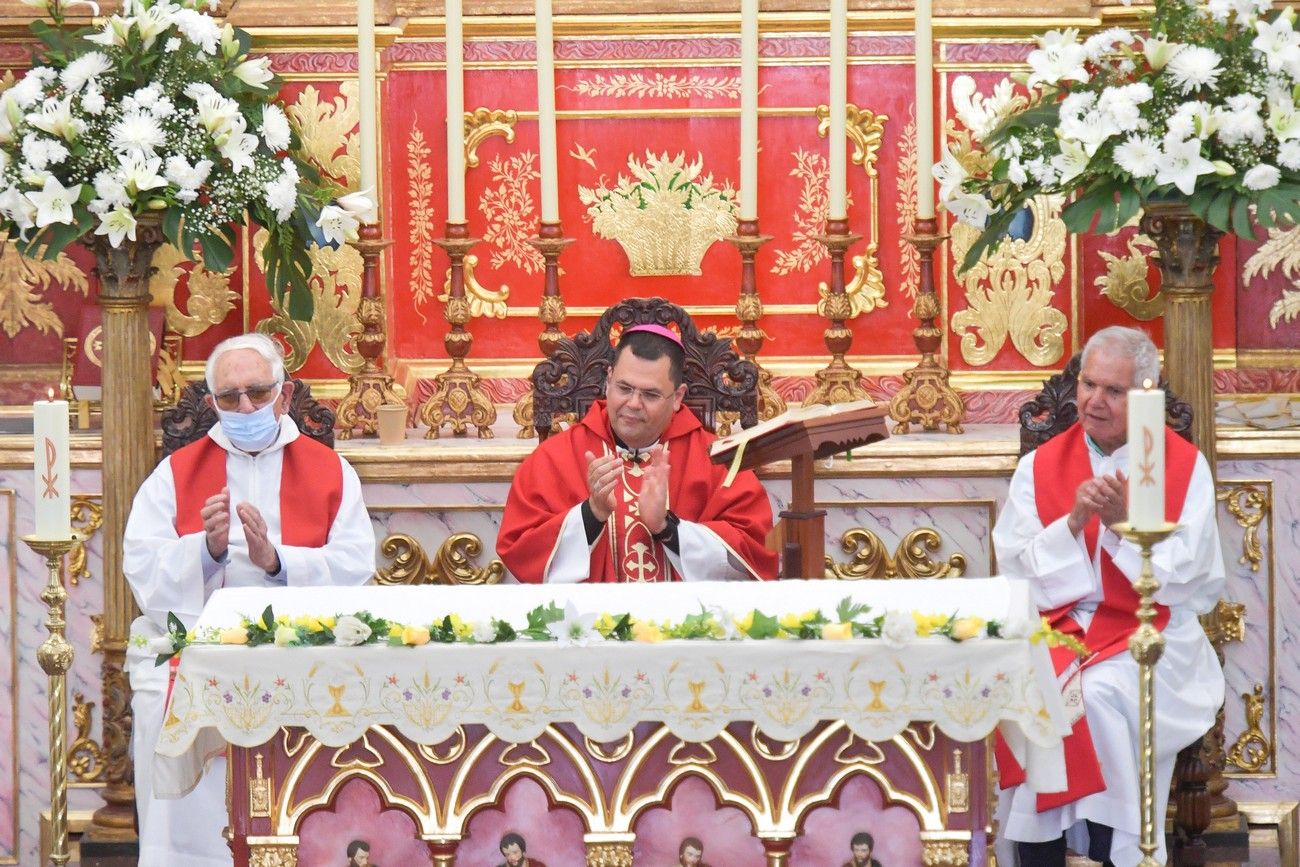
[
  {"x": 860, "y": 847},
  {"x": 514, "y": 848},
  {"x": 1057, "y": 531},
  {"x": 359, "y": 854},
  {"x": 628, "y": 494},
  {"x": 690, "y": 853},
  {"x": 253, "y": 503}
]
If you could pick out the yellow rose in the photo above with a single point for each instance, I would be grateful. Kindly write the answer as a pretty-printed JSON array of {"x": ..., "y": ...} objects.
[
  {"x": 927, "y": 623},
  {"x": 837, "y": 631},
  {"x": 414, "y": 636},
  {"x": 965, "y": 628},
  {"x": 234, "y": 635},
  {"x": 285, "y": 635},
  {"x": 644, "y": 630}
]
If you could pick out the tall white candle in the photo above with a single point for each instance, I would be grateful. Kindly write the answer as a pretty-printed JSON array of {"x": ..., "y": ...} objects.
[
  {"x": 53, "y": 487},
  {"x": 748, "y": 109},
  {"x": 838, "y": 108},
  {"x": 1146, "y": 450},
  {"x": 924, "y": 112},
  {"x": 455, "y": 114},
  {"x": 367, "y": 86},
  {"x": 546, "y": 112}
]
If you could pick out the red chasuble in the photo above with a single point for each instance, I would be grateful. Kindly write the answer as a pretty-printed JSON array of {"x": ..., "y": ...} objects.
[
  {"x": 199, "y": 472},
  {"x": 1061, "y": 465},
  {"x": 553, "y": 480}
]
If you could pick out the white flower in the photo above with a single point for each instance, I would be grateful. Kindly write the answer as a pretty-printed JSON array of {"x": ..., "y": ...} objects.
[
  {"x": 1100, "y": 44},
  {"x": 1181, "y": 164},
  {"x": 981, "y": 115},
  {"x": 1042, "y": 171},
  {"x": 899, "y": 628},
  {"x": 1138, "y": 155},
  {"x": 1158, "y": 52},
  {"x": 26, "y": 92},
  {"x": 40, "y": 152},
  {"x": 1059, "y": 57},
  {"x": 238, "y": 145},
  {"x": 349, "y": 631},
  {"x": 1288, "y": 154},
  {"x": 136, "y": 131},
  {"x": 56, "y": 118},
  {"x": 1278, "y": 42},
  {"x": 1261, "y": 177},
  {"x": 152, "y": 22},
  {"x": 92, "y": 101},
  {"x": 970, "y": 208},
  {"x": 359, "y": 205},
  {"x": 255, "y": 73},
  {"x": 275, "y": 127},
  {"x": 337, "y": 225},
  {"x": 110, "y": 189},
  {"x": 18, "y": 208},
  {"x": 950, "y": 173},
  {"x": 216, "y": 112},
  {"x": 727, "y": 621},
  {"x": 1241, "y": 121},
  {"x": 574, "y": 629},
  {"x": 140, "y": 173},
  {"x": 117, "y": 224},
  {"x": 88, "y": 66},
  {"x": 1194, "y": 67},
  {"x": 171, "y": 45},
  {"x": 199, "y": 29},
  {"x": 1072, "y": 160},
  {"x": 1016, "y": 172},
  {"x": 160, "y": 645},
  {"x": 187, "y": 178},
  {"x": 1283, "y": 118},
  {"x": 54, "y": 202},
  {"x": 1192, "y": 120},
  {"x": 115, "y": 33},
  {"x": 282, "y": 193},
  {"x": 285, "y": 636},
  {"x": 484, "y": 631}
]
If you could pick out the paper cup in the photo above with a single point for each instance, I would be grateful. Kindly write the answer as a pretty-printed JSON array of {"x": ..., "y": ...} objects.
[{"x": 392, "y": 424}]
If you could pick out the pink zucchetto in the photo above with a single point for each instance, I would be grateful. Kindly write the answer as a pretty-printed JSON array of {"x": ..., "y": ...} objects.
[{"x": 657, "y": 329}]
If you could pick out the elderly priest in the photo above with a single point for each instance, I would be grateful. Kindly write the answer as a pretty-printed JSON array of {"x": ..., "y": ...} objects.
[
  {"x": 251, "y": 504},
  {"x": 629, "y": 493}
]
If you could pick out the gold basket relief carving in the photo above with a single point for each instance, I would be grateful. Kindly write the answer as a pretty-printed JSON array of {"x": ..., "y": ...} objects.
[
  {"x": 1252, "y": 750},
  {"x": 454, "y": 562},
  {"x": 85, "y": 756},
  {"x": 1281, "y": 252},
  {"x": 1249, "y": 504},
  {"x": 666, "y": 216},
  {"x": 87, "y": 518},
  {"x": 1009, "y": 291},
  {"x": 871, "y": 559}
]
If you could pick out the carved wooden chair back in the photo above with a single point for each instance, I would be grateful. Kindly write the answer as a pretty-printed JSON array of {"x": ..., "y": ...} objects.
[
  {"x": 717, "y": 378},
  {"x": 1054, "y": 409},
  {"x": 192, "y": 418}
]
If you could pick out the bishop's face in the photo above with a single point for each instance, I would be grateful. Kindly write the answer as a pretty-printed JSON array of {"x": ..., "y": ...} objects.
[{"x": 641, "y": 399}]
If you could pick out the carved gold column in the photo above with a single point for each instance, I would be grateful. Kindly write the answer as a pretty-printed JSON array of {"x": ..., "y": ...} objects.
[
  {"x": 837, "y": 382},
  {"x": 458, "y": 401},
  {"x": 777, "y": 850},
  {"x": 128, "y": 452},
  {"x": 926, "y": 398},
  {"x": 550, "y": 242},
  {"x": 1188, "y": 254},
  {"x": 371, "y": 387},
  {"x": 749, "y": 310}
]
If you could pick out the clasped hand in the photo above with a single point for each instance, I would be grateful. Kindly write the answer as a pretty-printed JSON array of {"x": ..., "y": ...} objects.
[
  {"x": 1104, "y": 496},
  {"x": 603, "y": 475},
  {"x": 216, "y": 525}
]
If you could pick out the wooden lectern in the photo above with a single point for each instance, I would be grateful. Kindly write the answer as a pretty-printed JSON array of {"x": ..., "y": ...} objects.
[{"x": 804, "y": 435}]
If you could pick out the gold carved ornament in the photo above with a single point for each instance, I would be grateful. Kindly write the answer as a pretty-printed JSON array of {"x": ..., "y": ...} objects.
[
  {"x": 454, "y": 562},
  {"x": 85, "y": 755},
  {"x": 609, "y": 855},
  {"x": 273, "y": 855},
  {"x": 260, "y": 793},
  {"x": 871, "y": 559},
  {"x": 1252, "y": 750},
  {"x": 945, "y": 853},
  {"x": 511, "y": 215},
  {"x": 810, "y": 215},
  {"x": 323, "y": 124},
  {"x": 210, "y": 297},
  {"x": 909, "y": 258},
  {"x": 1125, "y": 280},
  {"x": 482, "y": 301},
  {"x": 87, "y": 518},
  {"x": 420, "y": 195},
  {"x": 1009, "y": 291},
  {"x": 24, "y": 283},
  {"x": 1281, "y": 252},
  {"x": 638, "y": 85},
  {"x": 1249, "y": 504}
]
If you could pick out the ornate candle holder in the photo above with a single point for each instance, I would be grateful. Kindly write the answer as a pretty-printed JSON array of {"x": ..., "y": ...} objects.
[
  {"x": 1147, "y": 644},
  {"x": 927, "y": 399},
  {"x": 837, "y": 382},
  {"x": 749, "y": 309},
  {"x": 458, "y": 400},
  {"x": 550, "y": 241},
  {"x": 371, "y": 387},
  {"x": 55, "y": 657}
]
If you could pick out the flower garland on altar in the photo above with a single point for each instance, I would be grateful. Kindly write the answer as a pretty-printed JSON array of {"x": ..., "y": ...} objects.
[{"x": 567, "y": 626}]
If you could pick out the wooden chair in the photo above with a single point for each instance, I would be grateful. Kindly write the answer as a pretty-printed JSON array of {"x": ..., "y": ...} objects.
[
  {"x": 1051, "y": 412},
  {"x": 191, "y": 417},
  {"x": 717, "y": 379}
]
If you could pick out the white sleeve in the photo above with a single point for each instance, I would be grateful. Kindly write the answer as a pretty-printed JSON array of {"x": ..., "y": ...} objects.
[
  {"x": 1055, "y": 562},
  {"x": 165, "y": 571},
  {"x": 704, "y": 556},
  {"x": 348, "y": 555}
]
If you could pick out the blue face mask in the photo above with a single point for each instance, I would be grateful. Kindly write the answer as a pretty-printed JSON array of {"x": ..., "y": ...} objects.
[{"x": 250, "y": 431}]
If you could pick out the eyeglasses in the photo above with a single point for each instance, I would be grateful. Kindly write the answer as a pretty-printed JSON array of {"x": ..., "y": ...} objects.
[
  {"x": 258, "y": 396},
  {"x": 649, "y": 397}
]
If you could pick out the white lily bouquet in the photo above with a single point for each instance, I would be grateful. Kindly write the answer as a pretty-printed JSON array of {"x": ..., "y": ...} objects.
[
  {"x": 1201, "y": 108},
  {"x": 162, "y": 110}
]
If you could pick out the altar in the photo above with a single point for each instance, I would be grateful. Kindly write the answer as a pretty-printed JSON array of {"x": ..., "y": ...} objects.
[{"x": 776, "y": 728}]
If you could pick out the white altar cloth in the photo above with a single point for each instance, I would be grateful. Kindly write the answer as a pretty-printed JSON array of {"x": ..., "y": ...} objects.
[{"x": 241, "y": 695}]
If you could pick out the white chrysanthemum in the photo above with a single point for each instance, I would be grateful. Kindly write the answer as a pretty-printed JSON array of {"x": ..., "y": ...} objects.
[
  {"x": 27, "y": 91},
  {"x": 46, "y": 75},
  {"x": 110, "y": 189},
  {"x": 41, "y": 152},
  {"x": 136, "y": 131},
  {"x": 1288, "y": 154},
  {"x": 184, "y": 176},
  {"x": 282, "y": 193},
  {"x": 1261, "y": 177},
  {"x": 275, "y": 127},
  {"x": 1220, "y": 10},
  {"x": 1194, "y": 67},
  {"x": 1181, "y": 164},
  {"x": 1192, "y": 120},
  {"x": 1016, "y": 172},
  {"x": 1138, "y": 155},
  {"x": 1240, "y": 121},
  {"x": 162, "y": 107},
  {"x": 198, "y": 28},
  {"x": 92, "y": 100},
  {"x": 1042, "y": 171},
  {"x": 172, "y": 45},
  {"x": 85, "y": 68},
  {"x": 1059, "y": 57},
  {"x": 899, "y": 628},
  {"x": 1100, "y": 44}
]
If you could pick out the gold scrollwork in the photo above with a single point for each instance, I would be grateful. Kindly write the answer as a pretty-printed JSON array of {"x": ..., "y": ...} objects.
[
  {"x": 1281, "y": 252},
  {"x": 1250, "y": 504},
  {"x": 909, "y": 258},
  {"x": 87, "y": 518},
  {"x": 945, "y": 853},
  {"x": 323, "y": 124},
  {"x": 96, "y": 633},
  {"x": 24, "y": 281},
  {"x": 85, "y": 755},
  {"x": 420, "y": 193},
  {"x": 865, "y": 292},
  {"x": 452, "y": 564},
  {"x": 273, "y": 855},
  {"x": 484, "y": 123},
  {"x": 912, "y": 559},
  {"x": 1009, "y": 291},
  {"x": 210, "y": 298},
  {"x": 1225, "y": 623},
  {"x": 1252, "y": 749},
  {"x": 1125, "y": 280},
  {"x": 609, "y": 855},
  {"x": 482, "y": 300}
]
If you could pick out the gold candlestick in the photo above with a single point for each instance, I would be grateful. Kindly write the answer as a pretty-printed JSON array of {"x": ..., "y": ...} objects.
[
  {"x": 837, "y": 382},
  {"x": 749, "y": 310},
  {"x": 1147, "y": 644},
  {"x": 55, "y": 657},
  {"x": 550, "y": 242},
  {"x": 371, "y": 387}
]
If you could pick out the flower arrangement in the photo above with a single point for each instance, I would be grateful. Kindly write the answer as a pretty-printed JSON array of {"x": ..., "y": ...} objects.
[
  {"x": 161, "y": 110},
  {"x": 1202, "y": 107},
  {"x": 567, "y": 626}
]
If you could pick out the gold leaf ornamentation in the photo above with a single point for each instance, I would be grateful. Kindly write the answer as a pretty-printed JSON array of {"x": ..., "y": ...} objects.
[
  {"x": 453, "y": 563},
  {"x": 1125, "y": 280},
  {"x": 637, "y": 85},
  {"x": 23, "y": 284},
  {"x": 1281, "y": 252},
  {"x": 420, "y": 192},
  {"x": 482, "y": 300},
  {"x": 322, "y": 125},
  {"x": 482, "y": 125},
  {"x": 509, "y": 209},
  {"x": 87, "y": 518},
  {"x": 1249, "y": 505},
  {"x": 1285, "y": 309},
  {"x": 273, "y": 855},
  {"x": 609, "y": 855},
  {"x": 810, "y": 217},
  {"x": 1009, "y": 291},
  {"x": 871, "y": 559},
  {"x": 210, "y": 297},
  {"x": 865, "y": 292},
  {"x": 85, "y": 755},
  {"x": 1252, "y": 749},
  {"x": 909, "y": 258}
]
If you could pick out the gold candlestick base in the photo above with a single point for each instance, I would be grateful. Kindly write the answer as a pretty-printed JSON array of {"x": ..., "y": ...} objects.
[
  {"x": 55, "y": 657},
  {"x": 838, "y": 381},
  {"x": 371, "y": 387},
  {"x": 1147, "y": 644}
]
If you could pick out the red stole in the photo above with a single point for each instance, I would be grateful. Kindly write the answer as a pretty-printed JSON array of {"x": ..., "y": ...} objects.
[
  {"x": 1061, "y": 465},
  {"x": 199, "y": 471},
  {"x": 633, "y": 550}
]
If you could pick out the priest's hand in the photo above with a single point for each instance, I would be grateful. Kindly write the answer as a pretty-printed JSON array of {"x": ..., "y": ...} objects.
[
  {"x": 603, "y": 474},
  {"x": 216, "y": 523},
  {"x": 1112, "y": 492},
  {"x": 260, "y": 549},
  {"x": 654, "y": 491}
]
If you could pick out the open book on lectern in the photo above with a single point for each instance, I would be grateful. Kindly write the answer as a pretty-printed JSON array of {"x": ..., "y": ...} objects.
[{"x": 821, "y": 430}]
